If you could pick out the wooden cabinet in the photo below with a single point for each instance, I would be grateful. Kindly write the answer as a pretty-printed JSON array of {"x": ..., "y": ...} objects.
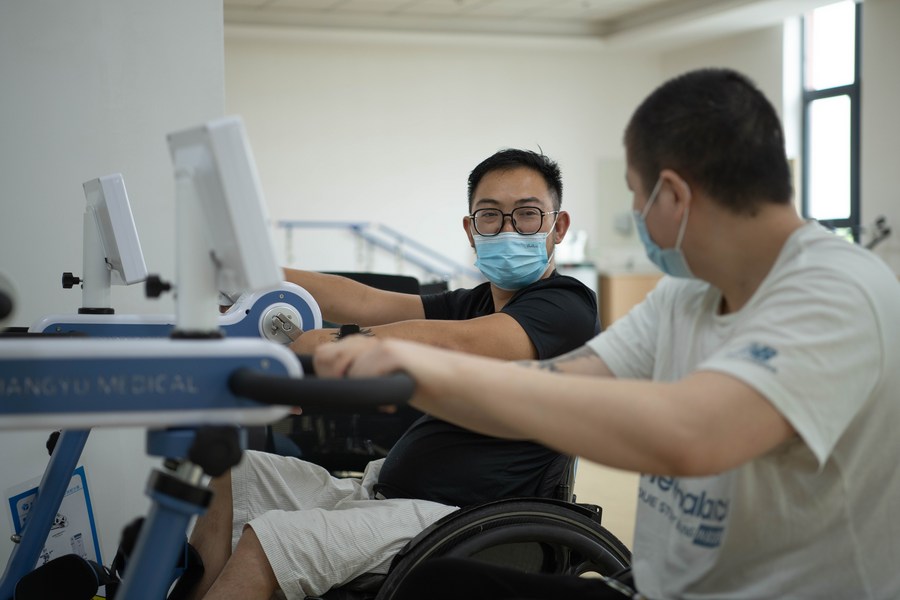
[{"x": 620, "y": 291}]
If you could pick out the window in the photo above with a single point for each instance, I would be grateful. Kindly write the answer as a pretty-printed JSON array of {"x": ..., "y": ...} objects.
[{"x": 831, "y": 43}]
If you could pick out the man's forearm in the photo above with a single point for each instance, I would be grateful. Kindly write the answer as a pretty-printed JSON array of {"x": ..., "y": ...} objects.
[
  {"x": 581, "y": 361},
  {"x": 336, "y": 296},
  {"x": 494, "y": 336},
  {"x": 343, "y": 300}
]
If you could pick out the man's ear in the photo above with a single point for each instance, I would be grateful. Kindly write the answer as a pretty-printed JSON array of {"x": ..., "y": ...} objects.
[
  {"x": 680, "y": 189},
  {"x": 561, "y": 227},
  {"x": 467, "y": 225}
]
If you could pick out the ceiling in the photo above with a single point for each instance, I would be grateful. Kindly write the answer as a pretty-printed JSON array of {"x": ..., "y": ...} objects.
[{"x": 611, "y": 22}]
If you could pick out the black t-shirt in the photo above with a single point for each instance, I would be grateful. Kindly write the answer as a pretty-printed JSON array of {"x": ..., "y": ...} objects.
[{"x": 435, "y": 460}]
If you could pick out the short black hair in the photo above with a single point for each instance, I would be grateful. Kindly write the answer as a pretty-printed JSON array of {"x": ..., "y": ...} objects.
[
  {"x": 719, "y": 132},
  {"x": 512, "y": 158}
]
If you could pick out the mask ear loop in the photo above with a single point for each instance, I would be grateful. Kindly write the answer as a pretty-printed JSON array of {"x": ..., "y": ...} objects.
[
  {"x": 684, "y": 219},
  {"x": 552, "y": 229},
  {"x": 552, "y": 254},
  {"x": 653, "y": 194}
]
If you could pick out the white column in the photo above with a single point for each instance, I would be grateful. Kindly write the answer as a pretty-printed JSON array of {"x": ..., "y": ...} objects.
[
  {"x": 95, "y": 278},
  {"x": 196, "y": 293}
]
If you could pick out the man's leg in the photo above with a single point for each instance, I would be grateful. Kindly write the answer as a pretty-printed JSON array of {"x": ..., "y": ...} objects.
[
  {"x": 212, "y": 534},
  {"x": 260, "y": 483},
  {"x": 247, "y": 574},
  {"x": 313, "y": 550}
]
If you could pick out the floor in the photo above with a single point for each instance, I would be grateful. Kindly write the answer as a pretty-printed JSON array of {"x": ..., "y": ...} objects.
[{"x": 615, "y": 491}]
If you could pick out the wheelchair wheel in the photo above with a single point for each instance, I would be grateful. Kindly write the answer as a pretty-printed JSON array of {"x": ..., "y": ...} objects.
[{"x": 531, "y": 535}]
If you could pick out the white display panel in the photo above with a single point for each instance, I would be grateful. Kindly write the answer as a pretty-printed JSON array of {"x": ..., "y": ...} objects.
[
  {"x": 218, "y": 160},
  {"x": 108, "y": 205}
]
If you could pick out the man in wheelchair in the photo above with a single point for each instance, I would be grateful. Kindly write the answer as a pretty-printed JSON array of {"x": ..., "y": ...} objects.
[
  {"x": 755, "y": 388},
  {"x": 282, "y": 523}
]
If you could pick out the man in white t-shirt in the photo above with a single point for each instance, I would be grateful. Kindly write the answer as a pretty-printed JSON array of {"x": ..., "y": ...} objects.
[{"x": 757, "y": 389}]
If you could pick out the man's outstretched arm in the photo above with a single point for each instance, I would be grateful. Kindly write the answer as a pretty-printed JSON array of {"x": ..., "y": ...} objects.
[
  {"x": 498, "y": 336},
  {"x": 343, "y": 300},
  {"x": 705, "y": 423}
]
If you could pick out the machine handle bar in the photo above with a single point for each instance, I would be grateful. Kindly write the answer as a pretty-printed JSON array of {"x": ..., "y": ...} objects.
[{"x": 323, "y": 396}]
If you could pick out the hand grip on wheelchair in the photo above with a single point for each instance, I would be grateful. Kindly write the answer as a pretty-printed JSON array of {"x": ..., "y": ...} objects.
[{"x": 317, "y": 395}]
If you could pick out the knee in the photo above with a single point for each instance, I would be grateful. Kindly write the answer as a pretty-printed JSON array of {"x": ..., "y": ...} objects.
[
  {"x": 249, "y": 551},
  {"x": 250, "y": 540}
]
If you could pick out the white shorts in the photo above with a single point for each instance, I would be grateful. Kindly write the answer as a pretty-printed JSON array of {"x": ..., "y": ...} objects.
[{"x": 319, "y": 531}]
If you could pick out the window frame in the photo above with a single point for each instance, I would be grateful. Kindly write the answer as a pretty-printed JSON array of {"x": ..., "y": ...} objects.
[{"x": 851, "y": 91}]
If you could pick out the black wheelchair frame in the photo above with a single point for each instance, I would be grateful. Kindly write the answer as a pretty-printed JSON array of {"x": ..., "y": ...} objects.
[{"x": 537, "y": 535}]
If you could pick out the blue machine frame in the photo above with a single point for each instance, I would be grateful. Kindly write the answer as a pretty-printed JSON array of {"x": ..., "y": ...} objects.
[{"x": 102, "y": 382}]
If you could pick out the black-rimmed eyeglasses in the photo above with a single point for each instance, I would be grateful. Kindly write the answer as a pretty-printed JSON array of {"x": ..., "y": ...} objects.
[{"x": 527, "y": 220}]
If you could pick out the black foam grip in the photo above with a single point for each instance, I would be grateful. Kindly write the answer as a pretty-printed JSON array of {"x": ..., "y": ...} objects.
[
  {"x": 306, "y": 363},
  {"x": 324, "y": 396}
]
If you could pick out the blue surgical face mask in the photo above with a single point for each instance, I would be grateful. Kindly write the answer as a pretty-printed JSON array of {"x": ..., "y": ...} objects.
[
  {"x": 511, "y": 260},
  {"x": 670, "y": 260}
]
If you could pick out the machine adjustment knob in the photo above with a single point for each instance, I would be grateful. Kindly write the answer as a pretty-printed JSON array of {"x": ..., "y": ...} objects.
[
  {"x": 6, "y": 305},
  {"x": 7, "y": 299},
  {"x": 51, "y": 442},
  {"x": 69, "y": 280},
  {"x": 154, "y": 287},
  {"x": 216, "y": 449}
]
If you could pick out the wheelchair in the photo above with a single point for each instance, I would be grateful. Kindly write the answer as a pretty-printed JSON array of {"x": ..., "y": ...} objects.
[
  {"x": 554, "y": 535},
  {"x": 537, "y": 535}
]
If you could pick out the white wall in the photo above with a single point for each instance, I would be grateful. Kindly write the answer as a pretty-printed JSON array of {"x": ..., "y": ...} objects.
[
  {"x": 757, "y": 54},
  {"x": 387, "y": 127},
  {"x": 91, "y": 88},
  {"x": 880, "y": 125}
]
